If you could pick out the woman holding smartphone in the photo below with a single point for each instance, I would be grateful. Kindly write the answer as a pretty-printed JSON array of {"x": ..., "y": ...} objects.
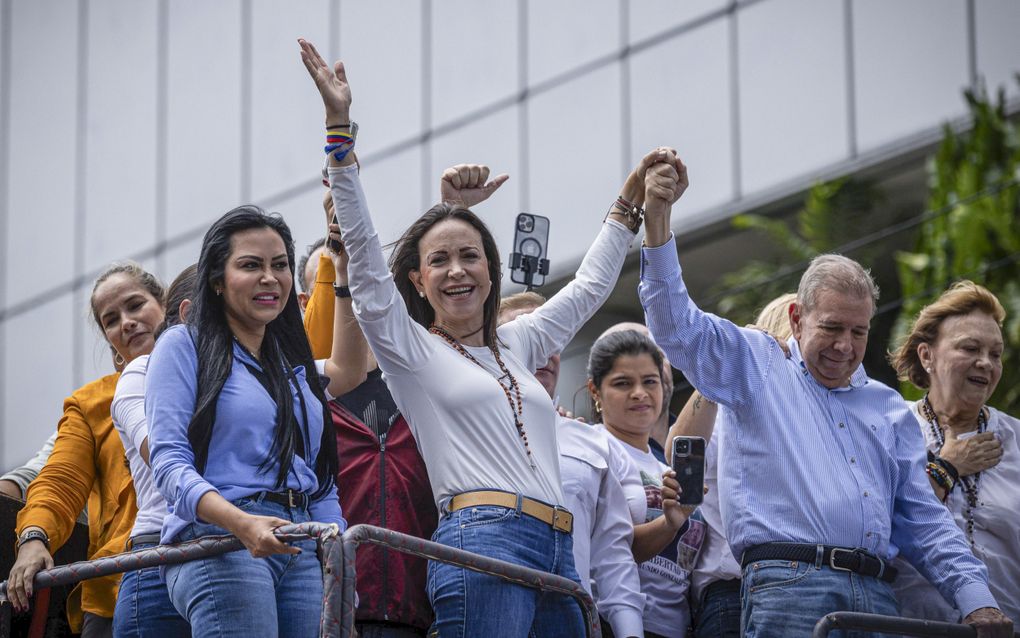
[
  {"x": 489, "y": 439},
  {"x": 625, "y": 382}
]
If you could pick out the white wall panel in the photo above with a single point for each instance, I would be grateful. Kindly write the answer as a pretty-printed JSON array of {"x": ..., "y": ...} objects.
[
  {"x": 792, "y": 90},
  {"x": 383, "y": 60},
  {"x": 40, "y": 213},
  {"x": 204, "y": 113},
  {"x": 651, "y": 17},
  {"x": 180, "y": 257},
  {"x": 911, "y": 64},
  {"x": 998, "y": 47},
  {"x": 474, "y": 55},
  {"x": 575, "y": 174},
  {"x": 567, "y": 33},
  {"x": 287, "y": 117},
  {"x": 37, "y": 352},
  {"x": 394, "y": 191},
  {"x": 492, "y": 141},
  {"x": 687, "y": 106},
  {"x": 120, "y": 174}
]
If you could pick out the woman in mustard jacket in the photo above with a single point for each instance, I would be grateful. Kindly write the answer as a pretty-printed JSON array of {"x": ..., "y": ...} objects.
[{"x": 87, "y": 463}]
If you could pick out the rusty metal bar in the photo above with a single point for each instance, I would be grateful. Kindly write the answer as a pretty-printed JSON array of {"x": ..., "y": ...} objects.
[
  {"x": 890, "y": 625},
  {"x": 422, "y": 548},
  {"x": 329, "y": 550}
]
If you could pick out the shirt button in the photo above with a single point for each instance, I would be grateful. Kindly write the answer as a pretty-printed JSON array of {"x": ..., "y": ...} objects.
[
  {"x": 866, "y": 494},
  {"x": 853, "y": 459},
  {"x": 874, "y": 428},
  {"x": 868, "y": 535},
  {"x": 842, "y": 425}
]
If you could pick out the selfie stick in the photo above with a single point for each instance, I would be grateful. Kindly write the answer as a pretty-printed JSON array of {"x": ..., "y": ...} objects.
[{"x": 531, "y": 266}]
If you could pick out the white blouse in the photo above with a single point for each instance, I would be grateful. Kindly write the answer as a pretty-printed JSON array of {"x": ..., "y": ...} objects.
[
  {"x": 996, "y": 530},
  {"x": 458, "y": 413}
]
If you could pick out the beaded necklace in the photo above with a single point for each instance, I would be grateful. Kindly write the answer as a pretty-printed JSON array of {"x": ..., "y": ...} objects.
[
  {"x": 969, "y": 484},
  {"x": 517, "y": 407}
]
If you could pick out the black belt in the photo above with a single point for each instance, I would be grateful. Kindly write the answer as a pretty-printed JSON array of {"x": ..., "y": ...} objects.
[
  {"x": 290, "y": 498},
  {"x": 856, "y": 560}
]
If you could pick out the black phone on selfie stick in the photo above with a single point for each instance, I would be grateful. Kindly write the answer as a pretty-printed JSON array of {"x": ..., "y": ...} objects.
[{"x": 689, "y": 465}]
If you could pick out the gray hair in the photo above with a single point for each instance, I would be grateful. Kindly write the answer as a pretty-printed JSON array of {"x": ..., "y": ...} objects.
[{"x": 839, "y": 274}]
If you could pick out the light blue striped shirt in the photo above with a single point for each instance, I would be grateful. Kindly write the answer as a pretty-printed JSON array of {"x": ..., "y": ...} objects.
[{"x": 799, "y": 462}]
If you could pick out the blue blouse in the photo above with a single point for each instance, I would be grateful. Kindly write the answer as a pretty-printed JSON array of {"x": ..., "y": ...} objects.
[{"x": 242, "y": 435}]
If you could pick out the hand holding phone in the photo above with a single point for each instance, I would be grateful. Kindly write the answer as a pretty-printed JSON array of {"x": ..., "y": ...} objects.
[{"x": 689, "y": 465}]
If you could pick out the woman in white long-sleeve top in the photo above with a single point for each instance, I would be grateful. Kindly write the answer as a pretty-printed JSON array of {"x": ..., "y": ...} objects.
[{"x": 485, "y": 426}]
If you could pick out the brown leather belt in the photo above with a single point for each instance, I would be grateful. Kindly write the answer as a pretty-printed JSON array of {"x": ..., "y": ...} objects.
[{"x": 558, "y": 518}]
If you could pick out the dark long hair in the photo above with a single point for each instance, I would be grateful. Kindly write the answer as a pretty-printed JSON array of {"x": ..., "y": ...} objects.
[
  {"x": 406, "y": 258},
  {"x": 283, "y": 347},
  {"x": 611, "y": 347},
  {"x": 182, "y": 289}
]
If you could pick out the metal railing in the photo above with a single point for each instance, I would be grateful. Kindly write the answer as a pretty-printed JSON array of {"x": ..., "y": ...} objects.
[
  {"x": 891, "y": 625},
  {"x": 337, "y": 556},
  {"x": 501, "y": 569}
]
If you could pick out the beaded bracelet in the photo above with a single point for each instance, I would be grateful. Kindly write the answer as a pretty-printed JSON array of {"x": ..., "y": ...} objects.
[
  {"x": 941, "y": 477},
  {"x": 631, "y": 211}
]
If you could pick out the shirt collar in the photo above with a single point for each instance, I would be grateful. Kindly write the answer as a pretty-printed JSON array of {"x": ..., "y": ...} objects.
[{"x": 858, "y": 379}]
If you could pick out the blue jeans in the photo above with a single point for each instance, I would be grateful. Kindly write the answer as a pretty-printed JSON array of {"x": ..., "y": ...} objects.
[
  {"x": 143, "y": 606},
  {"x": 787, "y": 598},
  {"x": 719, "y": 613},
  {"x": 471, "y": 604},
  {"x": 237, "y": 595}
]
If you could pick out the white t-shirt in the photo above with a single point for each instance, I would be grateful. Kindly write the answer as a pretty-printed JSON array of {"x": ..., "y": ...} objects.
[
  {"x": 665, "y": 579},
  {"x": 591, "y": 467},
  {"x": 128, "y": 412},
  {"x": 458, "y": 412},
  {"x": 996, "y": 530}
]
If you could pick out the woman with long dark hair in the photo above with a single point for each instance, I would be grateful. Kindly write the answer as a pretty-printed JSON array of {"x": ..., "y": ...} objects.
[
  {"x": 485, "y": 425},
  {"x": 236, "y": 413}
]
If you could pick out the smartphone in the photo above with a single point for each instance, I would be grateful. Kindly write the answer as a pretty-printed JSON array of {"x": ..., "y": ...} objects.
[
  {"x": 531, "y": 240},
  {"x": 334, "y": 245},
  {"x": 689, "y": 465}
]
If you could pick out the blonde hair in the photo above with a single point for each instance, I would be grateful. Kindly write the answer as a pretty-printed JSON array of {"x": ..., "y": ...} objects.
[
  {"x": 962, "y": 298},
  {"x": 520, "y": 301},
  {"x": 774, "y": 318}
]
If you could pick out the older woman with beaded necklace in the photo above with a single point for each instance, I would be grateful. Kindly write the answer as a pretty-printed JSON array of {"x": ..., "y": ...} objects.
[
  {"x": 483, "y": 422},
  {"x": 954, "y": 351}
]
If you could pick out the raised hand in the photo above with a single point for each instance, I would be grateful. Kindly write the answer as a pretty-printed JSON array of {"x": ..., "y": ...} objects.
[
  {"x": 634, "y": 188},
  {"x": 466, "y": 184},
  {"x": 332, "y": 83}
]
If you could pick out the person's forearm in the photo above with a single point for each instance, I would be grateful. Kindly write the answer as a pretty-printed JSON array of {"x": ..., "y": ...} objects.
[
  {"x": 651, "y": 538},
  {"x": 696, "y": 419},
  {"x": 657, "y": 217},
  {"x": 349, "y": 354},
  {"x": 215, "y": 509}
]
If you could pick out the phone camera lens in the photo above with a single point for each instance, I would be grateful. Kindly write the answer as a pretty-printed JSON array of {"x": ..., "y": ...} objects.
[{"x": 526, "y": 223}]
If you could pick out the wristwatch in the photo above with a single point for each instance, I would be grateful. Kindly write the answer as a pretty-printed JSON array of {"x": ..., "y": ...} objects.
[
  {"x": 34, "y": 535},
  {"x": 342, "y": 291}
]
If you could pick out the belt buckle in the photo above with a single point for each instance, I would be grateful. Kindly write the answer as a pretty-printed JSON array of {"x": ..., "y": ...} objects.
[
  {"x": 562, "y": 519},
  {"x": 290, "y": 499},
  {"x": 832, "y": 558}
]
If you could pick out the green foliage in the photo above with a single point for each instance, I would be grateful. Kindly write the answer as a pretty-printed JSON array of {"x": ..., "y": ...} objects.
[
  {"x": 834, "y": 213},
  {"x": 973, "y": 232}
]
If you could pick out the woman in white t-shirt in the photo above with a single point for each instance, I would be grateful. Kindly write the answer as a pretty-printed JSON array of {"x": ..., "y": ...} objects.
[
  {"x": 485, "y": 426},
  {"x": 625, "y": 381}
]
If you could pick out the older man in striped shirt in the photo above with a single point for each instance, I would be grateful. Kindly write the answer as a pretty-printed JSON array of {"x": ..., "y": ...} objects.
[{"x": 821, "y": 469}]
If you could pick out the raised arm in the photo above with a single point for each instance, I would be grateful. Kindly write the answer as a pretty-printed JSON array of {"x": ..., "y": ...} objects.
[
  {"x": 726, "y": 363},
  {"x": 546, "y": 331},
  {"x": 399, "y": 344}
]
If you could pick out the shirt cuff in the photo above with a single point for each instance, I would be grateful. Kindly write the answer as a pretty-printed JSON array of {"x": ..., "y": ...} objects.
[
  {"x": 626, "y": 622},
  {"x": 974, "y": 596},
  {"x": 660, "y": 263}
]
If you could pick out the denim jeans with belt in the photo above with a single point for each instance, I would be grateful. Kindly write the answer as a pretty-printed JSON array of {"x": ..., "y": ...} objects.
[
  {"x": 787, "y": 598},
  {"x": 469, "y": 604},
  {"x": 143, "y": 606},
  {"x": 237, "y": 595}
]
